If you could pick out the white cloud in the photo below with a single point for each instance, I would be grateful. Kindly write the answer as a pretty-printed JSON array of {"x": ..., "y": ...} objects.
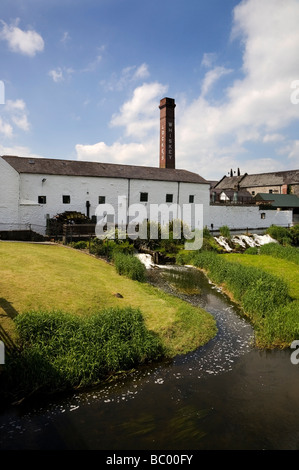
[
  {"x": 117, "y": 153},
  {"x": 15, "y": 115},
  {"x": 214, "y": 136},
  {"x": 56, "y": 75},
  {"x": 24, "y": 42},
  {"x": 139, "y": 115},
  {"x": 255, "y": 108},
  {"x": 60, "y": 75},
  {"x": 212, "y": 77},
  {"x": 128, "y": 75}
]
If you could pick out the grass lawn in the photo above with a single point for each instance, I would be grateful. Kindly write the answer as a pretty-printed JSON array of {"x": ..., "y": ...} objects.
[
  {"x": 286, "y": 270},
  {"x": 55, "y": 277}
]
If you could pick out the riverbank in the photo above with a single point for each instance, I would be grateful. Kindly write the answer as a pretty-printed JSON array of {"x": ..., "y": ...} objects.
[
  {"x": 265, "y": 288},
  {"x": 43, "y": 278}
]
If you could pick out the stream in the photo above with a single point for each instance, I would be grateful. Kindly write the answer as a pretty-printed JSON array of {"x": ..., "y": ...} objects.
[{"x": 226, "y": 395}]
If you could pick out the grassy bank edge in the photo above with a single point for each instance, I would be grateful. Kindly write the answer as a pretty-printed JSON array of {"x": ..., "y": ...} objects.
[
  {"x": 266, "y": 299},
  {"x": 190, "y": 327}
]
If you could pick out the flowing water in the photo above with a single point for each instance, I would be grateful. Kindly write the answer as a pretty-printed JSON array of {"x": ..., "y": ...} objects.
[{"x": 225, "y": 395}]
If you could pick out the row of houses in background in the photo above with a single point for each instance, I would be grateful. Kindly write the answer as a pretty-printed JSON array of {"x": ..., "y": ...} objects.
[
  {"x": 276, "y": 191},
  {"x": 35, "y": 190}
]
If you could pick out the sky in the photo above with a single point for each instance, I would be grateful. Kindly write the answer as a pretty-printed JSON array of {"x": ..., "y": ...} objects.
[{"x": 83, "y": 79}]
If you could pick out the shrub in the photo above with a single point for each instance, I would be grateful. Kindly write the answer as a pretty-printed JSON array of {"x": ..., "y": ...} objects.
[
  {"x": 281, "y": 234},
  {"x": 225, "y": 232},
  {"x": 60, "y": 351},
  {"x": 252, "y": 250},
  {"x": 129, "y": 266}
]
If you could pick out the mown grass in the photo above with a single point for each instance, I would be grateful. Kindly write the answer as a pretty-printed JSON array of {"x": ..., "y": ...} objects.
[
  {"x": 267, "y": 291},
  {"x": 42, "y": 278}
]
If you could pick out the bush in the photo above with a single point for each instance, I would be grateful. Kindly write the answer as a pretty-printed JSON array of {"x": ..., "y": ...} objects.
[
  {"x": 225, "y": 232},
  {"x": 281, "y": 234},
  {"x": 252, "y": 250},
  {"x": 59, "y": 351},
  {"x": 129, "y": 266}
]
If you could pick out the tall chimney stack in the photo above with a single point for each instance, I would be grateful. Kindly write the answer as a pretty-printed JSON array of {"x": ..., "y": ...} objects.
[{"x": 167, "y": 133}]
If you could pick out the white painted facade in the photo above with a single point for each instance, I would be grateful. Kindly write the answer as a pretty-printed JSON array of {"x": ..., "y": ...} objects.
[
  {"x": 251, "y": 217},
  {"x": 20, "y": 194},
  {"x": 20, "y": 205}
]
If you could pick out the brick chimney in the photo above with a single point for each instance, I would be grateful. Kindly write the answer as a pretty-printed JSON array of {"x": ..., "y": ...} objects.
[{"x": 167, "y": 133}]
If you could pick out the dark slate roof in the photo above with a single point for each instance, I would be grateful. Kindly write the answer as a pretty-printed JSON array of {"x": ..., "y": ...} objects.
[
  {"x": 271, "y": 179},
  {"x": 229, "y": 182},
  {"x": 278, "y": 200},
  {"x": 278, "y": 178},
  {"x": 51, "y": 166}
]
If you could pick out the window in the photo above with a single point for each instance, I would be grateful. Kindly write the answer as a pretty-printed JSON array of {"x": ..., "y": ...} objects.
[
  {"x": 66, "y": 199},
  {"x": 270, "y": 191},
  {"x": 253, "y": 193},
  {"x": 169, "y": 197},
  {"x": 42, "y": 199},
  {"x": 102, "y": 199},
  {"x": 191, "y": 198},
  {"x": 143, "y": 197},
  {"x": 263, "y": 215}
]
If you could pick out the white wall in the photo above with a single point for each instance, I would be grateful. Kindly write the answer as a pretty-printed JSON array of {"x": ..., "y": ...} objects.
[
  {"x": 82, "y": 189},
  {"x": 242, "y": 217},
  {"x": 9, "y": 197}
]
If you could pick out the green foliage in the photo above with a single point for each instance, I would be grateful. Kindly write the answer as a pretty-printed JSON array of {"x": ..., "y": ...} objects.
[
  {"x": 81, "y": 245},
  {"x": 263, "y": 296},
  {"x": 252, "y": 250},
  {"x": 288, "y": 253},
  {"x": 60, "y": 351},
  {"x": 225, "y": 232},
  {"x": 282, "y": 234},
  {"x": 129, "y": 266}
]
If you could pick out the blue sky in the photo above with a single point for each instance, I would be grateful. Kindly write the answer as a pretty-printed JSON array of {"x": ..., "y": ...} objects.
[{"x": 83, "y": 80}]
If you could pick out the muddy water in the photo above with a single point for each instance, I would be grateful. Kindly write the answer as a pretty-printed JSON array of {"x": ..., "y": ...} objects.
[{"x": 225, "y": 395}]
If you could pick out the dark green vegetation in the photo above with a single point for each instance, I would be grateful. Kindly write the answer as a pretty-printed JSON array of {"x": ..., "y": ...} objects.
[
  {"x": 62, "y": 351},
  {"x": 285, "y": 236}
]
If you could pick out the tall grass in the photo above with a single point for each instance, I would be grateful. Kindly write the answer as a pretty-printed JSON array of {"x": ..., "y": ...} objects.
[
  {"x": 60, "y": 351},
  {"x": 288, "y": 253},
  {"x": 129, "y": 266},
  {"x": 264, "y": 297}
]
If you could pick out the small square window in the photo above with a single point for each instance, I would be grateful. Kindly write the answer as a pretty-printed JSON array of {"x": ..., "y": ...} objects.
[
  {"x": 191, "y": 198},
  {"x": 143, "y": 197},
  {"x": 169, "y": 197},
  {"x": 102, "y": 199},
  {"x": 42, "y": 199},
  {"x": 270, "y": 191},
  {"x": 263, "y": 215},
  {"x": 66, "y": 199},
  {"x": 253, "y": 193}
]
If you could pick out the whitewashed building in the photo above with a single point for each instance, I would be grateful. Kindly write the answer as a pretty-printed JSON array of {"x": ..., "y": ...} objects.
[{"x": 33, "y": 190}]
